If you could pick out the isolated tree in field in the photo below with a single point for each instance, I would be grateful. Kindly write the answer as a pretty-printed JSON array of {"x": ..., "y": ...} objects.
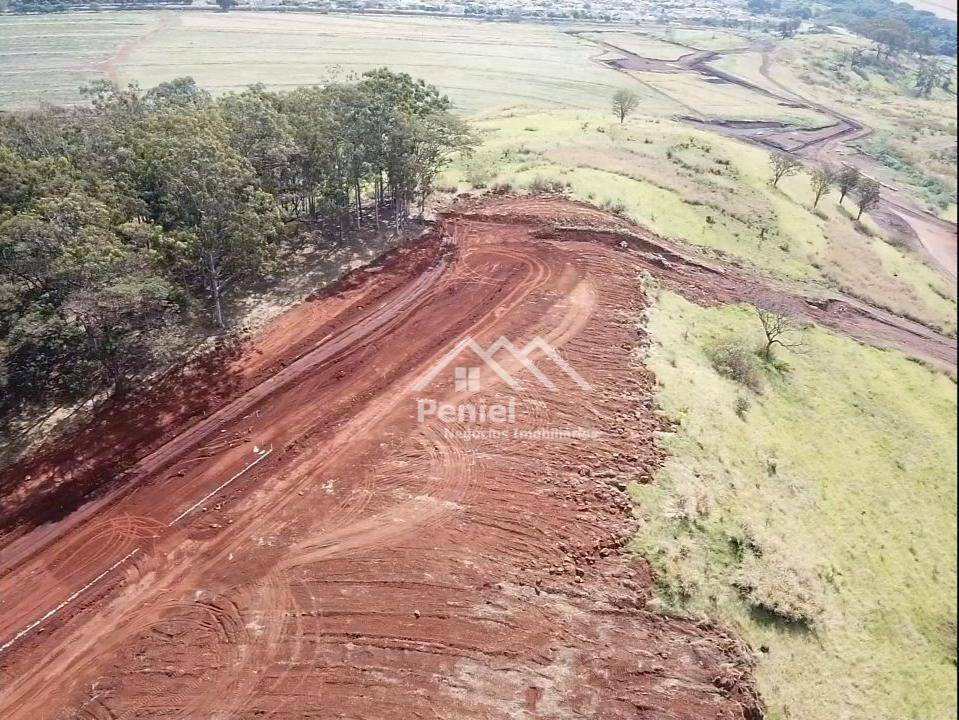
[
  {"x": 783, "y": 166},
  {"x": 868, "y": 194},
  {"x": 822, "y": 181},
  {"x": 847, "y": 180},
  {"x": 780, "y": 329},
  {"x": 625, "y": 102}
]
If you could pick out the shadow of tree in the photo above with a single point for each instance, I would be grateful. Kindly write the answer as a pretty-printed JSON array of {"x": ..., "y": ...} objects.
[{"x": 86, "y": 462}]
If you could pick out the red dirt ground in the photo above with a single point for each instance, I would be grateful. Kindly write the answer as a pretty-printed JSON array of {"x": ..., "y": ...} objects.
[{"x": 372, "y": 566}]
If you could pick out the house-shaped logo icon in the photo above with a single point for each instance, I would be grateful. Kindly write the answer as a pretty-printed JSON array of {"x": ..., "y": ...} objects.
[{"x": 466, "y": 378}]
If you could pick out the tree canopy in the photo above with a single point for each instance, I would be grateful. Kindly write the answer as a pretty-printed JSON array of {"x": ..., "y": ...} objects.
[{"x": 137, "y": 215}]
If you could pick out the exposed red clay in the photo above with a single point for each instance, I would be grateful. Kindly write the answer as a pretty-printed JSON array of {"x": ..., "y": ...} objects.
[{"x": 372, "y": 565}]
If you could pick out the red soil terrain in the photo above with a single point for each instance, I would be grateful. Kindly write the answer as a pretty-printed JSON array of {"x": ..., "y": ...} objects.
[{"x": 275, "y": 533}]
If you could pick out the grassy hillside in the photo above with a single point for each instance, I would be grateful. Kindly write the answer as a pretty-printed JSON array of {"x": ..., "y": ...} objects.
[
  {"x": 915, "y": 138},
  {"x": 817, "y": 515},
  {"x": 710, "y": 191}
]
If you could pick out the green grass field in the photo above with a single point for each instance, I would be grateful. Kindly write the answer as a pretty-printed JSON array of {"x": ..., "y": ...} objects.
[
  {"x": 833, "y": 490},
  {"x": 481, "y": 65},
  {"x": 46, "y": 58}
]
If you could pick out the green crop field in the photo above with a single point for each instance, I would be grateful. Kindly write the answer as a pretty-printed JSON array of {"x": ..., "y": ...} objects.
[
  {"x": 45, "y": 59},
  {"x": 480, "y": 65}
]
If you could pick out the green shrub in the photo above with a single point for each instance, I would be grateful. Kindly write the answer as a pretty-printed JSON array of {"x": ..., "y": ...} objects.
[
  {"x": 770, "y": 583},
  {"x": 733, "y": 360},
  {"x": 540, "y": 184},
  {"x": 742, "y": 407}
]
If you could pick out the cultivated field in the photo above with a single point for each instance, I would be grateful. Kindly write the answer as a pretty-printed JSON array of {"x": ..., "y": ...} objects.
[
  {"x": 45, "y": 59},
  {"x": 480, "y": 65}
]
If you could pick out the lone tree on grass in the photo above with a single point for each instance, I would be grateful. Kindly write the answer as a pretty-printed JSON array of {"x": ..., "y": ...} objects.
[
  {"x": 847, "y": 180},
  {"x": 822, "y": 181},
  {"x": 868, "y": 195},
  {"x": 625, "y": 103},
  {"x": 779, "y": 329},
  {"x": 782, "y": 166}
]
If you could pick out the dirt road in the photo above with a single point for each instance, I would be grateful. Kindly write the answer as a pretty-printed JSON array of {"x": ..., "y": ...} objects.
[
  {"x": 295, "y": 542},
  {"x": 305, "y": 547},
  {"x": 898, "y": 213}
]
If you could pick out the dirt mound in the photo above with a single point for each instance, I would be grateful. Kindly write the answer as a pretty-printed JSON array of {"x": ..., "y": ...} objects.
[{"x": 323, "y": 539}]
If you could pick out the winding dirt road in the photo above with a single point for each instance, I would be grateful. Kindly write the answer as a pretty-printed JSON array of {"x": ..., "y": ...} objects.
[
  {"x": 898, "y": 213},
  {"x": 277, "y": 534}
]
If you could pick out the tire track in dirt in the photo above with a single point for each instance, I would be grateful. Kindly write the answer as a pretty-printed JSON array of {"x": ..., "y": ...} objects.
[
  {"x": 110, "y": 67},
  {"x": 375, "y": 564}
]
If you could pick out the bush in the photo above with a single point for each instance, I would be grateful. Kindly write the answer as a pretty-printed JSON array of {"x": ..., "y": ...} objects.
[
  {"x": 479, "y": 177},
  {"x": 789, "y": 591},
  {"x": 614, "y": 206},
  {"x": 742, "y": 407},
  {"x": 731, "y": 359},
  {"x": 540, "y": 184}
]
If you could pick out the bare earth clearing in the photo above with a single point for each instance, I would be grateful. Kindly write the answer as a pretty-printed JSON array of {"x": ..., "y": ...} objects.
[{"x": 365, "y": 564}]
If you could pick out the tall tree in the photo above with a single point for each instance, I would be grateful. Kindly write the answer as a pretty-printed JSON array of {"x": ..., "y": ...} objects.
[
  {"x": 197, "y": 185},
  {"x": 783, "y": 166},
  {"x": 625, "y": 103},
  {"x": 930, "y": 75},
  {"x": 822, "y": 180},
  {"x": 259, "y": 132},
  {"x": 868, "y": 195},
  {"x": 847, "y": 180}
]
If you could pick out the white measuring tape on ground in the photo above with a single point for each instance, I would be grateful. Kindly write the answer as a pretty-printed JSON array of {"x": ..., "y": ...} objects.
[
  {"x": 262, "y": 455},
  {"x": 73, "y": 596}
]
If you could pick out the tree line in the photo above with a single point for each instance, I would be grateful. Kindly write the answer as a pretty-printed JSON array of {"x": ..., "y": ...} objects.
[
  {"x": 894, "y": 26},
  {"x": 847, "y": 179},
  {"x": 124, "y": 221}
]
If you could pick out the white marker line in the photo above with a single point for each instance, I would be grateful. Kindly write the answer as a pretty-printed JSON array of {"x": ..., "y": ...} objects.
[
  {"x": 263, "y": 454},
  {"x": 37, "y": 623},
  {"x": 73, "y": 596}
]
